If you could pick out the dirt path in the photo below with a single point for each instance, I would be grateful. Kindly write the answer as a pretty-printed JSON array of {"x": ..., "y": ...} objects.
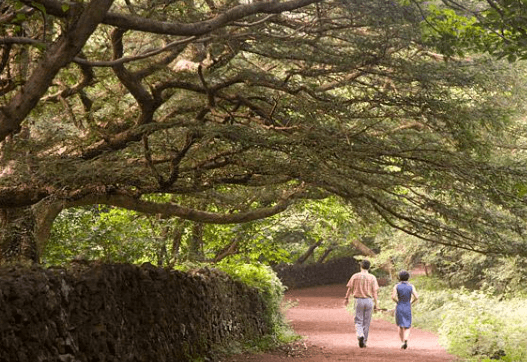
[{"x": 319, "y": 315}]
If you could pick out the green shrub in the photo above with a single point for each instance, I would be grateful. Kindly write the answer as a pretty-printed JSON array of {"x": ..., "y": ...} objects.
[
  {"x": 469, "y": 327},
  {"x": 474, "y": 325},
  {"x": 263, "y": 278}
]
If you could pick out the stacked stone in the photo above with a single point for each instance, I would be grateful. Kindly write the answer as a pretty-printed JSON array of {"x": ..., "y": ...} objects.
[{"x": 120, "y": 312}]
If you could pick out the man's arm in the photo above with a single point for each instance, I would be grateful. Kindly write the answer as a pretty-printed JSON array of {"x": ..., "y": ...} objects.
[
  {"x": 349, "y": 291},
  {"x": 375, "y": 299},
  {"x": 347, "y": 298}
]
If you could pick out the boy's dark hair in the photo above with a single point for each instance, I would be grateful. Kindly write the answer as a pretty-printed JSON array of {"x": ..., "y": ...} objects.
[
  {"x": 365, "y": 264},
  {"x": 404, "y": 276}
]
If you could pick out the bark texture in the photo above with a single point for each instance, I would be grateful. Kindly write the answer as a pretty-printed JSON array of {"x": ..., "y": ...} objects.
[{"x": 17, "y": 235}]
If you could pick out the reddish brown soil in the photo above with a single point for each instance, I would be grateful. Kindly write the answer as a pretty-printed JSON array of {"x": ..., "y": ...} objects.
[{"x": 319, "y": 315}]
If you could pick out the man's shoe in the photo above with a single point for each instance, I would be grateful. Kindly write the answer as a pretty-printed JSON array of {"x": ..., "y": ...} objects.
[
  {"x": 405, "y": 345},
  {"x": 361, "y": 342}
]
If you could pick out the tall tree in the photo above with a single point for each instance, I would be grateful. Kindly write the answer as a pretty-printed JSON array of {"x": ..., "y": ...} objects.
[{"x": 245, "y": 108}]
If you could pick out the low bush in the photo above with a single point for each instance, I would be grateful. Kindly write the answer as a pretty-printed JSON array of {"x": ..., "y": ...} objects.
[
  {"x": 263, "y": 278},
  {"x": 473, "y": 325}
]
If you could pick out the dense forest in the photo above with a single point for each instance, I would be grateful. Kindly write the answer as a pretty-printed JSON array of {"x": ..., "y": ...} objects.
[{"x": 198, "y": 132}]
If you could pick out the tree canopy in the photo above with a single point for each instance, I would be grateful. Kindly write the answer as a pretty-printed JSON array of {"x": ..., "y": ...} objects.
[
  {"x": 496, "y": 27},
  {"x": 237, "y": 110}
]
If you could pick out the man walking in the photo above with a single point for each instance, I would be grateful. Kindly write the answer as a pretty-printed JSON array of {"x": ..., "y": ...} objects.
[{"x": 363, "y": 288}]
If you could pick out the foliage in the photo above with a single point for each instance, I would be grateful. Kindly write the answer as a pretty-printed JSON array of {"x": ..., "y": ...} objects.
[
  {"x": 243, "y": 110},
  {"x": 497, "y": 27},
  {"x": 398, "y": 249},
  {"x": 507, "y": 277},
  {"x": 502, "y": 276},
  {"x": 329, "y": 222},
  {"x": 101, "y": 233},
  {"x": 250, "y": 242},
  {"x": 473, "y": 324},
  {"x": 264, "y": 279},
  {"x": 119, "y": 235}
]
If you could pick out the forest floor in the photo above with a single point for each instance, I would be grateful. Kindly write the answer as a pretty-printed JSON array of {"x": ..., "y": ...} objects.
[{"x": 319, "y": 316}]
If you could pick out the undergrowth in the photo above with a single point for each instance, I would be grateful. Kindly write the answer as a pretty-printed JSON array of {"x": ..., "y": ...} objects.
[
  {"x": 474, "y": 325},
  {"x": 272, "y": 290}
]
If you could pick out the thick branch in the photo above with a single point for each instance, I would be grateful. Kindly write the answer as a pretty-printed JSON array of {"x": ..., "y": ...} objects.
[
  {"x": 130, "y": 22},
  {"x": 309, "y": 252},
  {"x": 174, "y": 210},
  {"x": 58, "y": 56},
  {"x": 131, "y": 82},
  {"x": 20, "y": 196}
]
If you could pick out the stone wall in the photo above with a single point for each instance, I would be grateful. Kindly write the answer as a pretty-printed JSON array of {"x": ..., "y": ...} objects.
[
  {"x": 308, "y": 275},
  {"x": 122, "y": 313}
]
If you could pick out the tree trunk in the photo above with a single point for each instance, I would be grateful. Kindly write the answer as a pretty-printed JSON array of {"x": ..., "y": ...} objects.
[
  {"x": 309, "y": 252},
  {"x": 45, "y": 214},
  {"x": 364, "y": 250},
  {"x": 177, "y": 237},
  {"x": 24, "y": 231},
  {"x": 162, "y": 246},
  {"x": 230, "y": 249},
  {"x": 196, "y": 242},
  {"x": 325, "y": 255},
  {"x": 18, "y": 241}
]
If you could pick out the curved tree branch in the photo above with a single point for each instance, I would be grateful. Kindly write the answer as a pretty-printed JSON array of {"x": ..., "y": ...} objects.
[
  {"x": 131, "y": 202},
  {"x": 59, "y": 55},
  {"x": 131, "y": 22}
]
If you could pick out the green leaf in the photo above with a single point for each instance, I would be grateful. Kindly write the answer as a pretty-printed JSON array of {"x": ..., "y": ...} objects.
[
  {"x": 511, "y": 58},
  {"x": 39, "y": 7},
  {"x": 20, "y": 17}
]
